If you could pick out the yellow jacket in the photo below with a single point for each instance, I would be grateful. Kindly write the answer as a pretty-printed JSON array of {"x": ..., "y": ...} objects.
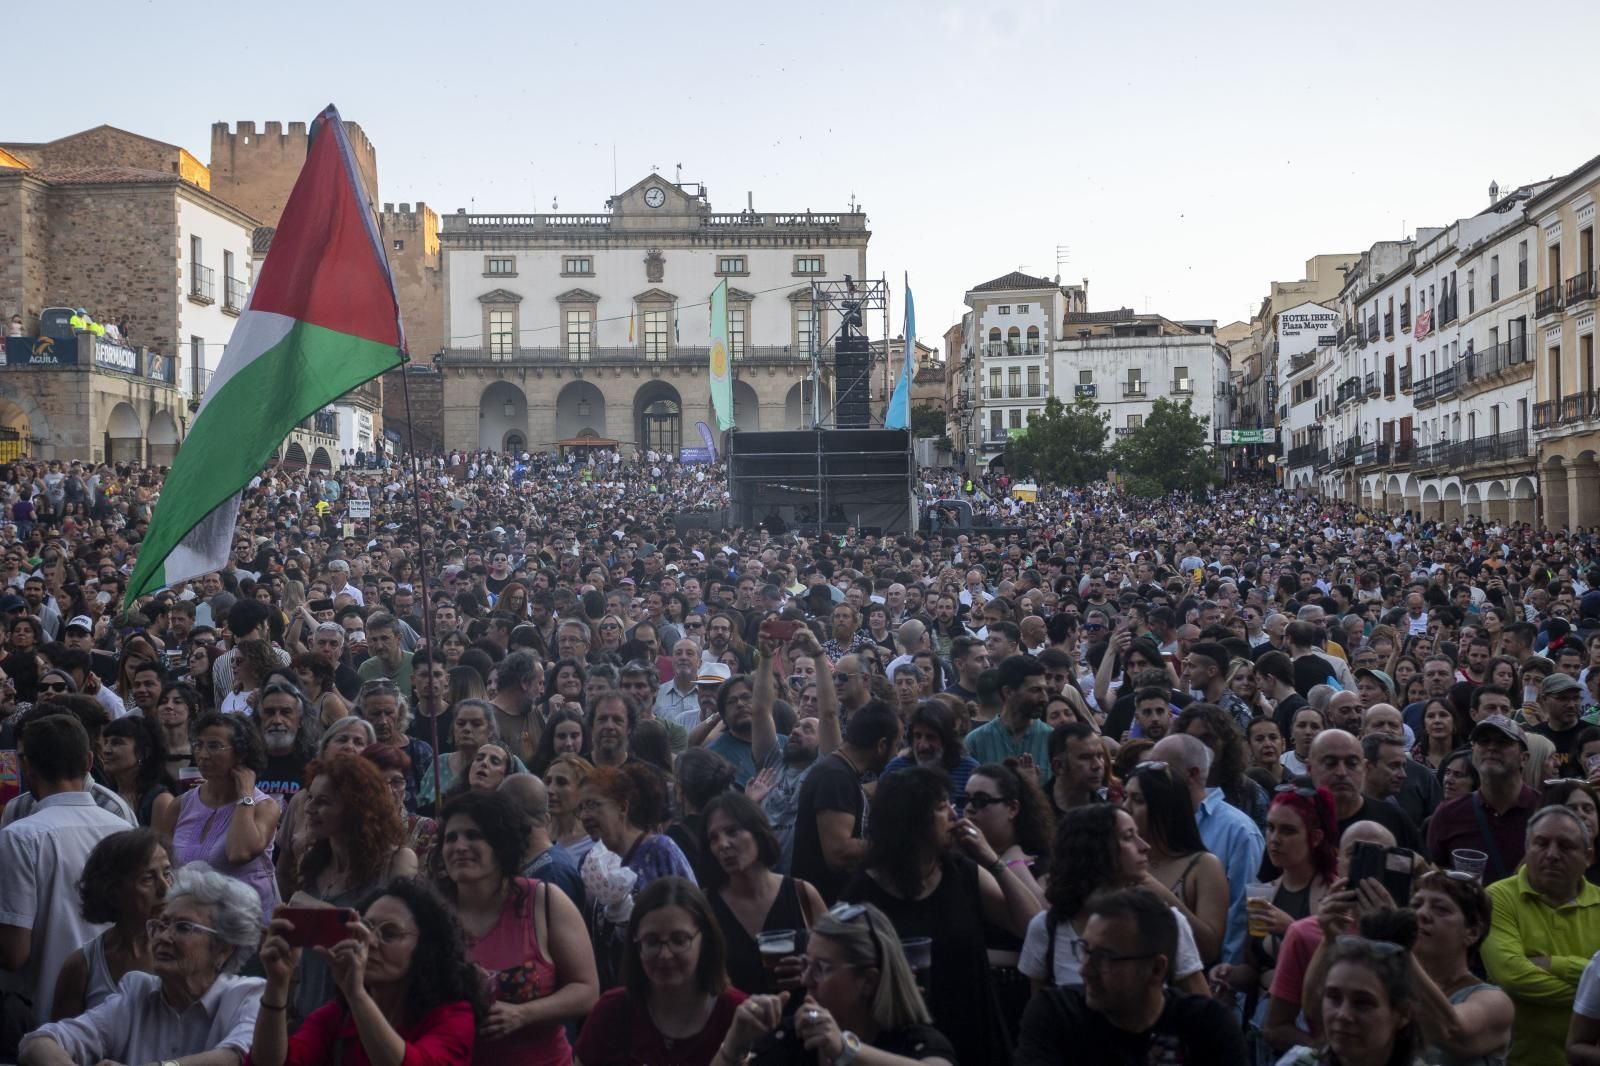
[{"x": 1524, "y": 925}]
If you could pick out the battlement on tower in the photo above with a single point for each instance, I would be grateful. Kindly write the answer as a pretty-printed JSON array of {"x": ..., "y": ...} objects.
[{"x": 255, "y": 167}]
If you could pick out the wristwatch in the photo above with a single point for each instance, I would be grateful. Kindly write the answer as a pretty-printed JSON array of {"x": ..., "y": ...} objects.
[
  {"x": 247, "y": 801},
  {"x": 847, "y": 1055}
]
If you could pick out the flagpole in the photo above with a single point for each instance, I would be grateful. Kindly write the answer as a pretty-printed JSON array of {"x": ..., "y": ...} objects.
[{"x": 422, "y": 569}]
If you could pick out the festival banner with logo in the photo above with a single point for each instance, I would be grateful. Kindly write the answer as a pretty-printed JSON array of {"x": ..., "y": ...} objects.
[{"x": 721, "y": 373}]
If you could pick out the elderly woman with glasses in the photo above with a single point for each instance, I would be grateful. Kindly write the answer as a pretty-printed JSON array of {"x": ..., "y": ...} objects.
[
  {"x": 861, "y": 1003},
  {"x": 674, "y": 1006},
  {"x": 124, "y": 883},
  {"x": 227, "y": 822},
  {"x": 191, "y": 1005}
]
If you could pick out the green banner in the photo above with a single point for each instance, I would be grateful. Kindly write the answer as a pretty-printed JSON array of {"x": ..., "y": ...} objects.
[{"x": 721, "y": 375}]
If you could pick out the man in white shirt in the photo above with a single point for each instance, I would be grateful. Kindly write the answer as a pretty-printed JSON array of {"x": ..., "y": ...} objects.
[{"x": 42, "y": 857}]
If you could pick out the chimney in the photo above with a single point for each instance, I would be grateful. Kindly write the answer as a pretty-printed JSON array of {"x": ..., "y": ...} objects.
[{"x": 1494, "y": 193}]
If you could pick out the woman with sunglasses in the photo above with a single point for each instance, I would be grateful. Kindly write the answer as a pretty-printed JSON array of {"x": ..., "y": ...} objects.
[
  {"x": 861, "y": 1004},
  {"x": 132, "y": 758},
  {"x": 527, "y": 935},
  {"x": 1163, "y": 813},
  {"x": 407, "y": 992},
  {"x": 124, "y": 883},
  {"x": 675, "y": 1005},
  {"x": 937, "y": 877}
]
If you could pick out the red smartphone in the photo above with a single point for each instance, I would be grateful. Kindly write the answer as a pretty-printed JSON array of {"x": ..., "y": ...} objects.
[
  {"x": 780, "y": 629},
  {"x": 317, "y": 926}
]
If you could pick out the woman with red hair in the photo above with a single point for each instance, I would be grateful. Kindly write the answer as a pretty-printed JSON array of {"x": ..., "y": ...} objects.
[
  {"x": 354, "y": 845},
  {"x": 1303, "y": 845}
]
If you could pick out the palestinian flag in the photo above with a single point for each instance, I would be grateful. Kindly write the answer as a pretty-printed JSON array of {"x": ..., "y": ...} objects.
[{"x": 321, "y": 320}]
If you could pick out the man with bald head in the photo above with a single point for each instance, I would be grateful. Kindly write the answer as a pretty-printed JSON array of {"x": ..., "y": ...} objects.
[
  {"x": 1227, "y": 832},
  {"x": 912, "y": 636},
  {"x": 1419, "y": 793},
  {"x": 546, "y": 860},
  {"x": 1339, "y": 764}
]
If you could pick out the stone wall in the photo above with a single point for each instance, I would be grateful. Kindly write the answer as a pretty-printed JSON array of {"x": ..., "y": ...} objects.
[
  {"x": 256, "y": 171},
  {"x": 425, "y": 432},
  {"x": 411, "y": 239},
  {"x": 93, "y": 265},
  {"x": 105, "y": 146},
  {"x": 24, "y": 263}
]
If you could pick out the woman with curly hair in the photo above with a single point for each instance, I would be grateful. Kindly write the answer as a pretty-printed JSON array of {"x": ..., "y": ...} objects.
[
  {"x": 936, "y": 877},
  {"x": 394, "y": 765},
  {"x": 1216, "y": 728},
  {"x": 406, "y": 990},
  {"x": 563, "y": 685},
  {"x": 527, "y": 935},
  {"x": 1097, "y": 848},
  {"x": 253, "y": 663},
  {"x": 354, "y": 843},
  {"x": 124, "y": 883},
  {"x": 133, "y": 759}
]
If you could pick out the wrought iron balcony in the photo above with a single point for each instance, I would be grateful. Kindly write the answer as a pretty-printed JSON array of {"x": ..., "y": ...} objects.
[
  {"x": 1302, "y": 455},
  {"x": 1581, "y": 287},
  {"x": 1405, "y": 379},
  {"x": 679, "y": 355},
  {"x": 1547, "y": 302},
  {"x": 202, "y": 283},
  {"x": 1372, "y": 383},
  {"x": 1573, "y": 408},
  {"x": 1544, "y": 414},
  {"x": 1405, "y": 316},
  {"x": 233, "y": 294},
  {"x": 1388, "y": 324},
  {"x": 1133, "y": 389}
]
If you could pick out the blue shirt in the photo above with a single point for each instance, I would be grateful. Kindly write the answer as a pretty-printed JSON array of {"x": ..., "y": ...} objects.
[
  {"x": 557, "y": 866},
  {"x": 742, "y": 756},
  {"x": 1230, "y": 835},
  {"x": 958, "y": 776},
  {"x": 992, "y": 742}
]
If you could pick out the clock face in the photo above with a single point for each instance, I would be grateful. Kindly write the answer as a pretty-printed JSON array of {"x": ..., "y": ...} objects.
[{"x": 654, "y": 197}]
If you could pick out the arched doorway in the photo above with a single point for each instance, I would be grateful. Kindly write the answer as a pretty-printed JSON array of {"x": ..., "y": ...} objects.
[
  {"x": 746, "y": 407},
  {"x": 580, "y": 411},
  {"x": 124, "y": 438},
  {"x": 321, "y": 461},
  {"x": 516, "y": 443},
  {"x": 294, "y": 457},
  {"x": 797, "y": 412},
  {"x": 163, "y": 438},
  {"x": 658, "y": 418},
  {"x": 15, "y": 429},
  {"x": 502, "y": 409}
]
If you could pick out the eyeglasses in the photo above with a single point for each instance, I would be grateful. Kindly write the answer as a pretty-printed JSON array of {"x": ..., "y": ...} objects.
[
  {"x": 388, "y": 932},
  {"x": 1377, "y": 947},
  {"x": 212, "y": 747},
  {"x": 53, "y": 686},
  {"x": 1150, "y": 764},
  {"x": 675, "y": 943},
  {"x": 977, "y": 801},
  {"x": 1098, "y": 957},
  {"x": 156, "y": 927}
]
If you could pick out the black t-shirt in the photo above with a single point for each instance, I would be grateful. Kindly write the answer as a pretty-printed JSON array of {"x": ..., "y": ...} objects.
[
  {"x": 832, "y": 785},
  {"x": 1390, "y": 817},
  {"x": 1120, "y": 720},
  {"x": 1058, "y": 1027},
  {"x": 1562, "y": 763},
  {"x": 1284, "y": 713},
  {"x": 283, "y": 777},
  {"x": 347, "y": 681},
  {"x": 421, "y": 728}
]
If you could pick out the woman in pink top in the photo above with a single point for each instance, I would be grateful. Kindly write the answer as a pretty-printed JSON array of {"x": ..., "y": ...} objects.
[{"x": 529, "y": 938}]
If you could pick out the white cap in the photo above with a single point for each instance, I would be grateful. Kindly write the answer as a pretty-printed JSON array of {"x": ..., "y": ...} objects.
[{"x": 81, "y": 621}]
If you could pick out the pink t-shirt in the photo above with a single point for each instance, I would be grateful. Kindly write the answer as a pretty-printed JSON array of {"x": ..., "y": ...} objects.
[
  {"x": 1294, "y": 958},
  {"x": 518, "y": 972}
]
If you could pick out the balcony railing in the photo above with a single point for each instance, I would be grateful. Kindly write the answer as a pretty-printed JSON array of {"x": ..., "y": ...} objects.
[
  {"x": 1372, "y": 383},
  {"x": 1581, "y": 287},
  {"x": 202, "y": 282},
  {"x": 1346, "y": 333},
  {"x": 1405, "y": 316},
  {"x": 1573, "y": 408},
  {"x": 1133, "y": 388},
  {"x": 1544, "y": 414},
  {"x": 1497, "y": 359},
  {"x": 233, "y": 294},
  {"x": 1388, "y": 324},
  {"x": 1182, "y": 386},
  {"x": 1372, "y": 328},
  {"x": 199, "y": 380},
  {"x": 1547, "y": 302},
  {"x": 994, "y": 392},
  {"x": 999, "y": 349},
  {"x": 760, "y": 355},
  {"x": 1497, "y": 448},
  {"x": 1367, "y": 454},
  {"x": 1348, "y": 390},
  {"x": 1035, "y": 389},
  {"x": 1302, "y": 455},
  {"x": 1405, "y": 379},
  {"x": 324, "y": 422}
]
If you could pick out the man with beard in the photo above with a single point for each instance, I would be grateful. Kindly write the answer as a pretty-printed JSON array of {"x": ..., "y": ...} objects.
[
  {"x": 678, "y": 700},
  {"x": 611, "y": 720},
  {"x": 1152, "y": 711},
  {"x": 931, "y": 733},
  {"x": 734, "y": 741},
  {"x": 639, "y": 685},
  {"x": 327, "y": 644},
  {"x": 1019, "y": 732},
  {"x": 281, "y": 714},
  {"x": 430, "y": 696},
  {"x": 785, "y": 761}
]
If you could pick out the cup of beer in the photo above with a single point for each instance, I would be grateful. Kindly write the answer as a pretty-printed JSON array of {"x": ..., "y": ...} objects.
[
  {"x": 1257, "y": 897},
  {"x": 775, "y": 945}
]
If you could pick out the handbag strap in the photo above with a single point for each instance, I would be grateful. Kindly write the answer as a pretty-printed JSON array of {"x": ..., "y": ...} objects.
[
  {"x": 804, "y": 900},
  {"x": 1489, "y": 844}
]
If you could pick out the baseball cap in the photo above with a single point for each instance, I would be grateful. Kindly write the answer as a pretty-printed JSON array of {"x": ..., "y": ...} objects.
[
  {"x": 12, "y": 602},
  {"x": 713, "y": 674},
  {"x": 1380, "y": 677},
  {"x": 1558, "y": 683},
  {"x": 81, "y": 621},
  {"x": 1499, "y": 723}
]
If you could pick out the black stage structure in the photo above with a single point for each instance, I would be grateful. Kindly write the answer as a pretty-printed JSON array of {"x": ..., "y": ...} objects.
[{"x": 846, "y": 470}]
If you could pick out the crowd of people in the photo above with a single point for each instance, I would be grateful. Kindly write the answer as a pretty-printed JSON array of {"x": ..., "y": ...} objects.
[{"x": 521, "y": 762}]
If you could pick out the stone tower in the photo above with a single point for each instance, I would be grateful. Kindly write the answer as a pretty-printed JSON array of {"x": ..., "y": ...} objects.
[{"x": 255, "y": 171}]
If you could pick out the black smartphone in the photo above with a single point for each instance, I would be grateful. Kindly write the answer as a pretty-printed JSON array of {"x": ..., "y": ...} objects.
[{"x": 1389, "y": 866}]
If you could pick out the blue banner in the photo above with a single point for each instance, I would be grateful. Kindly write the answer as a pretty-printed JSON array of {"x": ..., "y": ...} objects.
[
  {"x": 41, "y": 351},
  {"x": 158, "y": 367},
  {"x": 117, "y": 358}
]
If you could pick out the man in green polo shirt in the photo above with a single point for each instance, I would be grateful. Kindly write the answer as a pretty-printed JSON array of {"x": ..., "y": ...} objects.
[
  {"x": 1019, "y": 731},
  {"x": 1545, "y": 927}
]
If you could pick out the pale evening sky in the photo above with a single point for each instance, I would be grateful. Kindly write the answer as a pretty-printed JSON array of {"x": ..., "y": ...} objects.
[{"x": 1184, "y": 154}]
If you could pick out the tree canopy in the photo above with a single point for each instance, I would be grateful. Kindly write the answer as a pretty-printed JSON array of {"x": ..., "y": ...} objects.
[
  {"x": 926, "y": 422},
  {"x": 1169, "y": 451},
  {"x": 1063, "y": 445}
]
